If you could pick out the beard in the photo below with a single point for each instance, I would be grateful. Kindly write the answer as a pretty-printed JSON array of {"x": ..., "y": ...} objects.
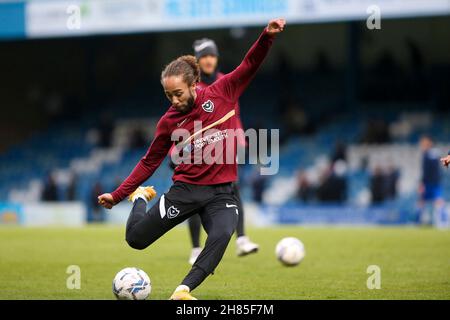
[{"x": 189, "y": 104}]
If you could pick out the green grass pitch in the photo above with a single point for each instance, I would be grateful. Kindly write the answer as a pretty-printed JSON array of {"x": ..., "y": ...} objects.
[{"x": 414, "y": 262}]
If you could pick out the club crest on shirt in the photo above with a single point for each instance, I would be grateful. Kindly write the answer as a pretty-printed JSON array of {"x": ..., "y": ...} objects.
[{"x": 208, "y": 106}]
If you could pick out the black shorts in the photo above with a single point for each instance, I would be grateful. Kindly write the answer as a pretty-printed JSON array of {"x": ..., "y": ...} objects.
[
  {"x": 184, "y": 199},
  {"x": 217, "y": 206}
]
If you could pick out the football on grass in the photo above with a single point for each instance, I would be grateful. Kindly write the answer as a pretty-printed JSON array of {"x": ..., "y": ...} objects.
[
  {"x": 290, "y": 251},
  {"x": 131, "y": 284}
]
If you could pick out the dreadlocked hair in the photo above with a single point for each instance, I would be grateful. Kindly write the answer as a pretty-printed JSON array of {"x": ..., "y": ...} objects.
[{"x": 185, "y": 66}]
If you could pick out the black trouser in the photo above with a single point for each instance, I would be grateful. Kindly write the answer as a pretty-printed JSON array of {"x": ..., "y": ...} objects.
[
  {"x": 218, "y": 210},
  {"x": 195, "y": 221}
]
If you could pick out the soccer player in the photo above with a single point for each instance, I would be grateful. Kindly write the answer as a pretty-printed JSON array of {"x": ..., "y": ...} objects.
[
  {"x": 207, "y": 56},
  {"x": 203, "y": 188},
  {"x": 431, "y": 204},
  {"x": 446, "y": 160}
]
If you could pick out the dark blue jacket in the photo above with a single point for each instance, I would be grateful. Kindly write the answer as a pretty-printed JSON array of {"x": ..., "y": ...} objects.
[{"x": 431, "y": 170}]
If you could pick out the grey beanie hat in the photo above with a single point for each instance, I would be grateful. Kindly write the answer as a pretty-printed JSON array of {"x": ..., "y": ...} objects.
[{"x": 204, "y": 47}]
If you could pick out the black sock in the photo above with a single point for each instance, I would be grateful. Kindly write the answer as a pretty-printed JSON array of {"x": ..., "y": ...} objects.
[
  {"x": 194, "y": 278},
  {"x": 240, "y": 225},
  {"x": 195, "y": 225}
]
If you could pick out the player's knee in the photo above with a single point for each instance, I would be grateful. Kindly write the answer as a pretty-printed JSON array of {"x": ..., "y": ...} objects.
[{"x": 134, "y": 242}]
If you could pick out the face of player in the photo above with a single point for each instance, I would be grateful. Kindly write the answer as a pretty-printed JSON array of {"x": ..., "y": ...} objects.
[
  {"x": 208, "y": 64},
  {"x": 180, "y": 94},
  {"x": 425, "y": 144}
]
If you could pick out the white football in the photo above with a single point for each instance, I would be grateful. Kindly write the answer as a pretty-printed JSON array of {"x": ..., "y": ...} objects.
[
  {"x": 131, "y": 284},
  {"x": 290, "y": 251}
]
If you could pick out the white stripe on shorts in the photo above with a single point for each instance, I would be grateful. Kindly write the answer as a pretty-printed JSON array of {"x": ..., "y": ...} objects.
[{"x": 162, "y": 207}]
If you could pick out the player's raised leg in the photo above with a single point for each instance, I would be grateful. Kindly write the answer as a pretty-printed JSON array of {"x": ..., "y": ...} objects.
[{"x": 145, "y": 227}]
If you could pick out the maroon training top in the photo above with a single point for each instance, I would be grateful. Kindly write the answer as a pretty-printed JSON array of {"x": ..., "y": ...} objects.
[
  {"x": 215, "y": 108},
  {"x": 240, "y": 138}
]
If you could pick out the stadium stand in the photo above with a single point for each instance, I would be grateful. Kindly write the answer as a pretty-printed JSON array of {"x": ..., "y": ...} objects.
[{"x": 68, "y": 149}]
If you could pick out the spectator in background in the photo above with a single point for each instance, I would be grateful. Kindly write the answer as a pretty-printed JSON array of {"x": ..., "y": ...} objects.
[
  {"x": 383, "y": 184},
  {"x": 340, "y": 174},
  {"x": 431, "y": 204},
  {"x": 50, "y": 191},
  {"x": 98, "y": 213},
  {"x": 392, "y": 176},
  {"x": 339, "y": 152},
  {"x": 305, "y": 191},
  {"x": 364, "y": 164},
  {"x": 378, "y": 185},
  {"x": 72, "y": 188},
  {"x": 333, "y": 188}
]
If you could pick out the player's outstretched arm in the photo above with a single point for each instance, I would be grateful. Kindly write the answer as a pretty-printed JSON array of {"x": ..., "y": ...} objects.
[
  {"x": 235, "y": 82},
  {"x": 143, "y": 170}
]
